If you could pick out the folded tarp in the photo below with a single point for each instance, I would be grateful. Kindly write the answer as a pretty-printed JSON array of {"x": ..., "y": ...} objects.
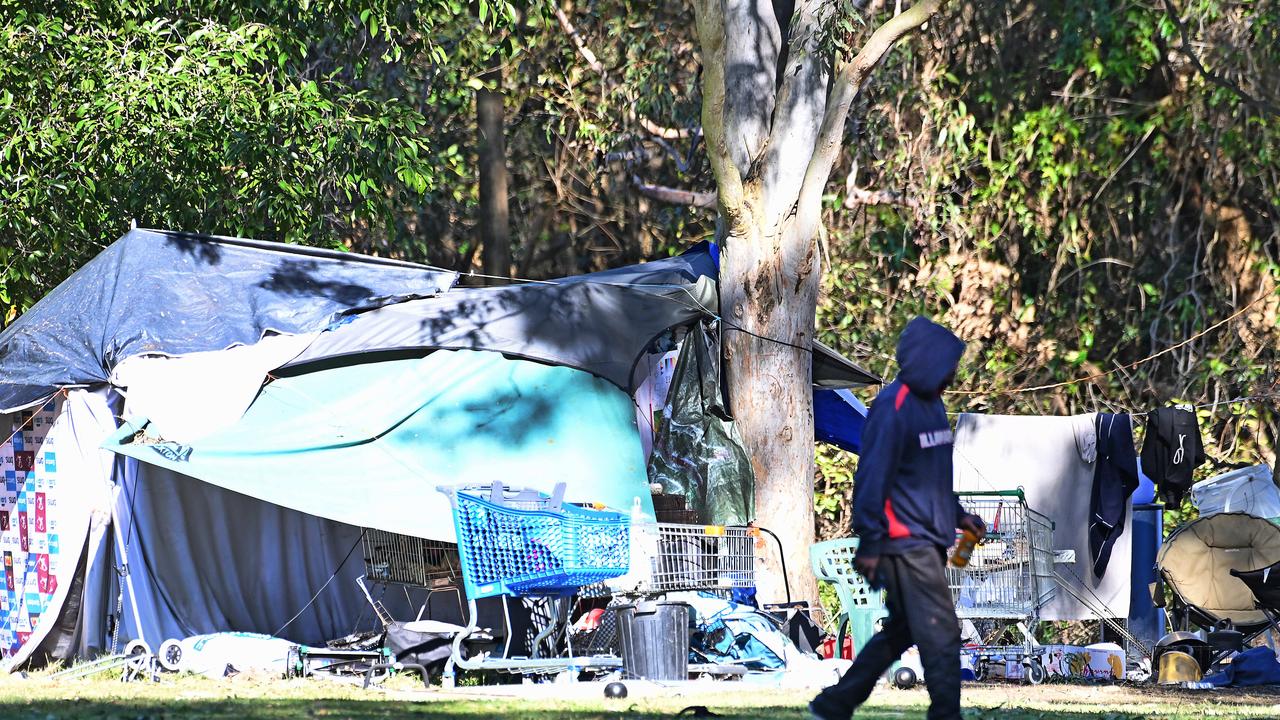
[
  {"x": 154, "y": 292},
  {"x": 368, "y": 444},
  {"x": 1247, "y": 490}
]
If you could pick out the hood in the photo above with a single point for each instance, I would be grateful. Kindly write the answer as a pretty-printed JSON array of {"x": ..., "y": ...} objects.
[{"x": 927, "y": 354}]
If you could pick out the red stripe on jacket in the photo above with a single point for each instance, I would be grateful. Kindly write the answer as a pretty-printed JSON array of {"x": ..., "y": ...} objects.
[{"x": 896, "y": 528}]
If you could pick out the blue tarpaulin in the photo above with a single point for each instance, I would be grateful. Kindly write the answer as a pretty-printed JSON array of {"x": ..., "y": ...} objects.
[
  {"x": 368, "y": 444},
  {"x": 838, "y": 419}
]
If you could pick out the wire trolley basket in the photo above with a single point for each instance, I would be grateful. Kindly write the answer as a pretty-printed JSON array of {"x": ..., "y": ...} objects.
[
  {"x": 528, "y": 543},
  {"x": 704, "y": 557},
  {"x": 1010, "y": 574},
  {"x": 674, "y": 556},
  {"x": 406, "y": 560}
]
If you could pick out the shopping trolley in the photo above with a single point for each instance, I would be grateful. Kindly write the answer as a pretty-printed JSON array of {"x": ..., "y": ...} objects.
[
  {"x": 523, "y": 543},
  {"x": 430, "y": 566},
  {"x": 1008, "y": 580}
]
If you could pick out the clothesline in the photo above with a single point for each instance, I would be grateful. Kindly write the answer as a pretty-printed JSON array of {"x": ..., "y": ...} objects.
[
  {"x": 1214, "y": 405},
  {"x": 1129, "y": 366}
]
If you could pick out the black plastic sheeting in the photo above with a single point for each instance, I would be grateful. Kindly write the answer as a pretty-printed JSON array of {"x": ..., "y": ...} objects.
[
  {"x": 697, "y": 452},
  {"x": 156, "y": 292}
]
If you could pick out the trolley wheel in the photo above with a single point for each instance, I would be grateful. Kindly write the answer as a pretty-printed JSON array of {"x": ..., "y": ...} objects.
[
  {"x": 904, "y": 678},
  {"x": 170, "y": 655},
  {"x": 1035, "y": 672},
  {"x": 137, "y": 647},
  {"x": 980, "y": 671}
]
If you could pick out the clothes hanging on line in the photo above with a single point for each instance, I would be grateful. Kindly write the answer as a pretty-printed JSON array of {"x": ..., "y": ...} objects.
[
  {"x": 1115, "y": 477},
  {"x": 1171, "y": 452}
]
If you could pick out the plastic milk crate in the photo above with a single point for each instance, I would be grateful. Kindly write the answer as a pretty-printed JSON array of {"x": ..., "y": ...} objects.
[{"x": 525, "y": 542}]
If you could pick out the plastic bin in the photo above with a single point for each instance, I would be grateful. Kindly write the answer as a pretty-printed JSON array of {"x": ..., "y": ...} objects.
[{"x": 654, "y": 638}]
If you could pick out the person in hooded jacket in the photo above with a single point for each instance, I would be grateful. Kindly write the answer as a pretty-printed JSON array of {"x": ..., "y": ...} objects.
[{"x": 905, "y": 514}]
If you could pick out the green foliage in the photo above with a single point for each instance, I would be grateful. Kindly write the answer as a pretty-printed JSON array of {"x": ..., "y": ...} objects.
[
  {"x": 1086, "y": 198},
  {"x": 285, "y": 121}
]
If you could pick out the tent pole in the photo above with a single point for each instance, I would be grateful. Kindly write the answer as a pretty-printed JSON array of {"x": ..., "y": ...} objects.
[{"x": 126, "y": 577}]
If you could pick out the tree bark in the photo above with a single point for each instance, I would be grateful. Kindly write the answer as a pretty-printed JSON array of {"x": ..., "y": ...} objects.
[
  {"x": 772, "y": 138},
  {"x": 495, "y": 226},
  {"x": 768, "y": 296}
]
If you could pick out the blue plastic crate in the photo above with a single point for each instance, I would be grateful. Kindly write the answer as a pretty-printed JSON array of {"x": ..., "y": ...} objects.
[{"x": 532, "y": 544}]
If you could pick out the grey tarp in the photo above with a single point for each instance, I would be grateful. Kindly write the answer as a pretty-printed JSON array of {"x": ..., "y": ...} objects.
[
  {"x": 172, "y": 293},
  {"x": 599, "y": 322},
  {"x": 600, "y": 327},
  {"x": 833, "y": 371}
]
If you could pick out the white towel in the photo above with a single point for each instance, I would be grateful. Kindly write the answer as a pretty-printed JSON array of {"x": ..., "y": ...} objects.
[{"x": 1052, "y": 460}]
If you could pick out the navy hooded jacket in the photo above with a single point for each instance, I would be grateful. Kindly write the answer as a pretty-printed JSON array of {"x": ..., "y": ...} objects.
[{"x": 903, "y": 497}]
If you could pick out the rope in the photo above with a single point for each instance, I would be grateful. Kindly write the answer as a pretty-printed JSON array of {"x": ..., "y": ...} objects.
[
  {"x": 322, "y": 587},
  {"x": 1129, "y": 366}
]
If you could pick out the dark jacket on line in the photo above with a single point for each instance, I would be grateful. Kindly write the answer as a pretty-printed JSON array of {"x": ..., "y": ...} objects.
[
  {"x": 1115, "y": 477},
  {"x": 903, "y": 491},
  {"x": 1171, "y": 452}
]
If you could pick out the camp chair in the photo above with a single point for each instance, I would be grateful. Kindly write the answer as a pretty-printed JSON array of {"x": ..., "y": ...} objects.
[
  {"x": 1205, "y": 563},
  {"x": 861, "y": 608}
]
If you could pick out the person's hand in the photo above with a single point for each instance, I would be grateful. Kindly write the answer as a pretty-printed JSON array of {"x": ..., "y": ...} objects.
[
  {"x": 866, "y": 567},
  {"x": 975, "y": 525}
]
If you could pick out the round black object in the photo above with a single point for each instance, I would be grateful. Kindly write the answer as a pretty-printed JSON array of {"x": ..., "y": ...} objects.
[
  {"x": 904, "y": 678},
  {"x": 615, "y": 690},
  {"x": 1035, "y": 673}
]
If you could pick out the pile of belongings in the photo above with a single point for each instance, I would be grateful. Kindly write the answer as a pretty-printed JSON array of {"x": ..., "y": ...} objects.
[{"x": 729, "y": 633}]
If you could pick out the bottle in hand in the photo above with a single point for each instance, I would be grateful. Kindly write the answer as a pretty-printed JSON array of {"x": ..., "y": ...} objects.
[{"x": 964, "y": 549}]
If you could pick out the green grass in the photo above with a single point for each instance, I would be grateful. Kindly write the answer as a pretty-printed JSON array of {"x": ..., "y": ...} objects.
[{"x": 242, "y": 699}]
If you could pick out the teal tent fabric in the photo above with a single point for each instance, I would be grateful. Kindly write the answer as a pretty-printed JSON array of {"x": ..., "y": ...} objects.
[{"x": 368, "y": 444}]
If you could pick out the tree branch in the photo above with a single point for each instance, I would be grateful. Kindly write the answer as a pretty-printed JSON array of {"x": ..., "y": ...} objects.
[
  {"x": 797, "y": 111},
  {"x": 857, "y": 197},
  {"x": 1185, "y": 49},
  {"x": 850, "y": 76},
  {"x": 598, "y": 67},
  {"x": 709, "y": 16},
  {"x": 674, "y": 196}
]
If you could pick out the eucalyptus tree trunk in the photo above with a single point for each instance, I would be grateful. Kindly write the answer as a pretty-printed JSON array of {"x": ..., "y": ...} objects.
[{"x": 773, "y": 114}]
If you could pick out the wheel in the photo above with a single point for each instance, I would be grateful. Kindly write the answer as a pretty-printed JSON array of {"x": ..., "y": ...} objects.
[
  {"x": 137, "y": 647},
  {"x": 904, "y": 678},
  {"x": 1035, "y": 672},
  {"x": 980, "y": 671},
  {"x": 170, "y": 655}
]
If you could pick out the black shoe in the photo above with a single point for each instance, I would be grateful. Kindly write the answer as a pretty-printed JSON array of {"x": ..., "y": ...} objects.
[{"x": 820, "y": 712}]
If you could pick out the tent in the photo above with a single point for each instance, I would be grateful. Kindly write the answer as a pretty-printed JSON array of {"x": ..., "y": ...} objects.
[{"x": 203, "y": 427}]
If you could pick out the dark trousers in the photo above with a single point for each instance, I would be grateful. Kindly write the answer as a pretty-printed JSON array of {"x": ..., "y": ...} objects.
[{"x": 920, "y": 613}]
